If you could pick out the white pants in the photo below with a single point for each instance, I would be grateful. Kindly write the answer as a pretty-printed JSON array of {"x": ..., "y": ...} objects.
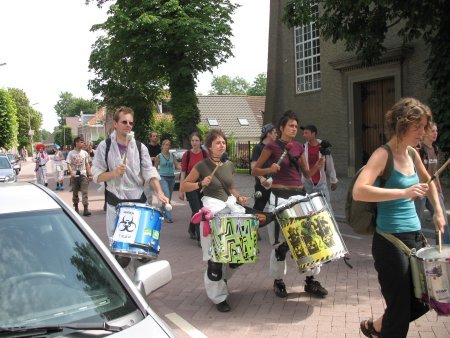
[
  {"x": 217, "y": 291},
  {"x": 278, "y": 268}
]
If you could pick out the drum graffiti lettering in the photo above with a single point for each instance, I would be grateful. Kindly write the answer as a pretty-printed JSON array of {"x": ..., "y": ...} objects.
[{"x": 234, "y": 238}]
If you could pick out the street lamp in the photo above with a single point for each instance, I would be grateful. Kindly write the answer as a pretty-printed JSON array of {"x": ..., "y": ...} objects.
[{"x": 30, "y": 131}]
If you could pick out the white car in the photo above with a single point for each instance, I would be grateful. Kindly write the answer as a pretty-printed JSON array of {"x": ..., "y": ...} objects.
[
  {"x": 7, "y": 172},
  {"x": 59, "y": 279}
]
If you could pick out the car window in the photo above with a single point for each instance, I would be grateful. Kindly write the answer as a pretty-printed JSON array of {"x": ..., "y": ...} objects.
[
  {"x": 54, "y": 275},
  {"x": 4, "y": 163}
]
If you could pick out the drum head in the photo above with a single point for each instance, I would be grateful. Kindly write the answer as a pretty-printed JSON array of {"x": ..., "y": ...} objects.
[{"x": 431, "y": 253}]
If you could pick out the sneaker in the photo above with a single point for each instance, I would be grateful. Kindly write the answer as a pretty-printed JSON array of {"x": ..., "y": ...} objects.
[
  {"x": 223, "y": 307},
  {"x": 313, "y": 287},
  {"x": 280, "y": 288}
]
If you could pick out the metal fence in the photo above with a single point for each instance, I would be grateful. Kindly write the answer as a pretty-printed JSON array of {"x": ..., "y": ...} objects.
[{"x": 240, "y": 154}]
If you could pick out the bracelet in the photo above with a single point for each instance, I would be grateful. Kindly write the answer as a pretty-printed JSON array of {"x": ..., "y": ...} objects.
[{"x": 200, "y": 185}]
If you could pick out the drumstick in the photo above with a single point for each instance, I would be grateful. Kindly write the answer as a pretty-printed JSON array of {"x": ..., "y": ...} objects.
[
  {"x": 283, "y": 155},
  {"x": 437, "y": 173},
  {"x": 130, "y": 137},
  {"x": 440, "y": 241},
  {"x": 223, "y": 159}
]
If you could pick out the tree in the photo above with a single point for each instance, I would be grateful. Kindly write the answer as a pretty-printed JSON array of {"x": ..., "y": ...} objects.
[
  {"x": 225, "y": 85},
  {"x": 63, "y": 136},
  {"x": 258, "y": 88},
  {"x": 164, "y": 125},
  {"x": 161, "y": 42},
  {"x": 363, "y": 26},
  {"x": 69, "y": 105},
  {"x": 8, "y": 121}
]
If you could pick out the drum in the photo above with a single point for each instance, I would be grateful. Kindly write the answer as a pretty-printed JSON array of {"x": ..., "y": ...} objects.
[
  {"x": 137, "y": 231},
  {"x": 310, "y": 231},
  {"x": 432, "y": 283},
  {"x": 234, "y": 238}
]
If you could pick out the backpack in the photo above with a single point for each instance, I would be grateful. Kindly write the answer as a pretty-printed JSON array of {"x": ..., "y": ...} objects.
[{"x": 360, "y": 215}]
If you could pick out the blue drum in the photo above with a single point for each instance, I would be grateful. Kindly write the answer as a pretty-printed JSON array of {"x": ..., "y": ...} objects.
[{"x": 137, "y": 232}]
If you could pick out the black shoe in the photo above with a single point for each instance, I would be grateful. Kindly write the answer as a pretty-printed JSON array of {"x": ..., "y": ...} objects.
[
  {"x": 192, "y": 235},
  {"x": 280, "y": 288},
  {"x": 223, "y": 307},
  {"x": 313, "y": 287}
]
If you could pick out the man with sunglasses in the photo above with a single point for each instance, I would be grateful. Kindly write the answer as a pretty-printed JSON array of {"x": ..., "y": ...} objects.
[{"x": 124, "y": 182}]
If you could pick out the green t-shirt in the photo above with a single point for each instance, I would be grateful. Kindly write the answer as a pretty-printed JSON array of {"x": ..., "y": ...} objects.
[{"x": 215, "y": 188}]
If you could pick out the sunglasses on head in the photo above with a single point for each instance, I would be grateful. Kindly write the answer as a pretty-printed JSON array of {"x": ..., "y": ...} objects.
[{"x": 127, "y": 122}]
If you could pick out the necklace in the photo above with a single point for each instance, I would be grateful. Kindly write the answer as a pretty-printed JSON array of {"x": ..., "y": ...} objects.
[{"x": 215, "y": 161}]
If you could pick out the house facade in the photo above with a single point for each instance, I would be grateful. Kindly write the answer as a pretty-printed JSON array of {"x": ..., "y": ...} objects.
[{"x": 328, "y": 87}]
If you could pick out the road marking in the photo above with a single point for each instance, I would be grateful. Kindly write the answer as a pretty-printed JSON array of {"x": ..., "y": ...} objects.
[
  {"x": 351, "y": 236},
  {"x": 185, "y": 326}
]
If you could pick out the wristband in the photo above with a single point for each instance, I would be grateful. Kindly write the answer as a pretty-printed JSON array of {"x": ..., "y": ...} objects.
[{"x": 200, "y": 185}]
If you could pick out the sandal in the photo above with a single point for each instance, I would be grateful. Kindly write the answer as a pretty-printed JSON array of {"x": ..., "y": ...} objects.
[{"x": 370, "y": 330}]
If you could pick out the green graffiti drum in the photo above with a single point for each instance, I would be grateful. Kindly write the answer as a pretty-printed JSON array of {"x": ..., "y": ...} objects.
[{"x": 234, "y": 238}]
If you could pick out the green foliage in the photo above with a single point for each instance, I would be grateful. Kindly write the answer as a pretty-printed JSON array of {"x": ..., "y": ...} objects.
[
  {"x": 363, "y": 25},
  {"x": 97, "y": 142},
  {"x": 225, "y": 85},
  {"x": 63, "y": 136},
  {"x": 152, "y": 43},
  {"x": 164, "y": 125},
  {"x": 202, "y": 129},
  {"x": 258, "y": 88},
  {"x": 69, "y": 105},
  {"x": 8, "y": 121}
]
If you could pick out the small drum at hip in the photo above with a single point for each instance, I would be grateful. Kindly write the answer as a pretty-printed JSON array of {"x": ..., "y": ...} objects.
[
  {"x": 137, "y": 232},
  {"x": 310, "y": 231},
  {"x": 431, "y": 278},
  {"x": 234, "y": 238}
]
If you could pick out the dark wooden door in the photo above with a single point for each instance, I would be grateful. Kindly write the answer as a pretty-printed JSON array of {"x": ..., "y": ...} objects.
[{"x": 376, "y": 98}]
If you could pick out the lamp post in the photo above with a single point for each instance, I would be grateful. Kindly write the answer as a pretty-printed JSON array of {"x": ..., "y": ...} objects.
[{"x": 31, "y": 131}]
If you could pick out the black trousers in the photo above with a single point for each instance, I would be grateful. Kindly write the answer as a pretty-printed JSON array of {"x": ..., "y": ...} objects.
[
  {"x": 394, "y": 276},
  {"x": 195, "y": 202},
  {"x": 260, "y": 203}
]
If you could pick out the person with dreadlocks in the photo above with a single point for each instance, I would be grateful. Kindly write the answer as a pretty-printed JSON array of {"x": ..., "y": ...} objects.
[{"x": 286, "y": 183}]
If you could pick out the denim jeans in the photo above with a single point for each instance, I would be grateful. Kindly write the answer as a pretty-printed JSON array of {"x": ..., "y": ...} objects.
[
  {"x": 422, "y": 203},
  {"x": 167, "y": 185}
]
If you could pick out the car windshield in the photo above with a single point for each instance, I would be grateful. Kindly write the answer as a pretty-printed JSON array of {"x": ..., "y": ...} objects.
[
  {"x": 4, "y": 163},
  {"x": 11, "y": 157},
  {"x": 51, "y": 274}
]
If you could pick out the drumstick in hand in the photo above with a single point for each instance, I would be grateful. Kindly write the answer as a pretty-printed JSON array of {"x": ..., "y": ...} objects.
[
  {"x": 440, "y": 241},
  {"x": 437, "y": 173},
  {"x": 130, "y": 137},
  {"x": 283, "y": 155},
  {"x": 223, "y": 159}
]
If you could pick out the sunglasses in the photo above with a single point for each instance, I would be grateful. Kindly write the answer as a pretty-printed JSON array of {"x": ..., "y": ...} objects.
[{"x": 127, "y": 122}]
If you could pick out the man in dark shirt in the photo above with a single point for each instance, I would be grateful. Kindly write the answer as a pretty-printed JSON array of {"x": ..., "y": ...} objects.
[{"x": 154, "y": 148}]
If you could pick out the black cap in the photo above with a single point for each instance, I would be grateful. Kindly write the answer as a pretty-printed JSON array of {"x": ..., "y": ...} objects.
[
  {"x": 309, "y": 127},
  {"x": 267, "y": 128}
]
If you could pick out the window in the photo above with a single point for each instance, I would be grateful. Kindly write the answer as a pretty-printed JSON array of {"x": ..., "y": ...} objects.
[
  {"x": 213, "y": 122},
  {"x": 243, "y": 122},
  {"x": 307, "y": 55}
]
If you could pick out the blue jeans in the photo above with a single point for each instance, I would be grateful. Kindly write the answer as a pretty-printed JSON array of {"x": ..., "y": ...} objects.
[
  {"x": 422, "y": 203},
  {"x": 167, "y": 185}
]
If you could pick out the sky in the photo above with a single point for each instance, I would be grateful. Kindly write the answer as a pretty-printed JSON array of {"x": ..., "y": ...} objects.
[{"x": 46, "y": 46}]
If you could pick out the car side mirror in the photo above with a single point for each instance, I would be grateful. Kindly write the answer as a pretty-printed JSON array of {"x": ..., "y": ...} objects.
[{"x": 152, "y": 276}]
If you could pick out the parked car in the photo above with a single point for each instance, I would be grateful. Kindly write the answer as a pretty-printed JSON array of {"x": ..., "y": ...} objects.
[
  {"x": 7, "y": 172},
  {"x": 15, "y": 161},
  {"x": 59, "y": 279},
  {"x": 178, "y": 153}
]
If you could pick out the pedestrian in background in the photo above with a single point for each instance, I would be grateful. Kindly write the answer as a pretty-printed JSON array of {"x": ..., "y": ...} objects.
[
  {"x": 166, "y": 162},
  {"x": 318, "y": 182},
  {"x": 405, "y": 124},
  {"x": 429, "y": 153},
  {"x": 41, "y": 158},
  {"x": 189, "y": 160},
  {"x": 154, "y": 148},
  {"x": 80, "y": 174},
  {"x": 58, "y": 161}
]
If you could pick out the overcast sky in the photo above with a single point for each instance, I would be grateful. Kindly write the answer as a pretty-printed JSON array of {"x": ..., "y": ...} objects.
[{"x": 46, "y": 46}]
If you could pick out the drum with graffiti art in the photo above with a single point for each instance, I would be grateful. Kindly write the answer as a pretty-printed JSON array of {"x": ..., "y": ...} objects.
[
  {"x": 137, "y": 232},
  {"x": 234, "y": 238},
  {"x": 310, "y": 231}
]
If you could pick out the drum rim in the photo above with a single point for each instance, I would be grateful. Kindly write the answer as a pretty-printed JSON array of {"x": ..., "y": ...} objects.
[
  {"x": 437, "y": 259},
  {"x": 236, "y": 215}
]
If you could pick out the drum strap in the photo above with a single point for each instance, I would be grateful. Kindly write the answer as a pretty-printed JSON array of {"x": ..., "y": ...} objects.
[
  {"x": 114, "y": 200},
  {"x": 398, "y": 243}
]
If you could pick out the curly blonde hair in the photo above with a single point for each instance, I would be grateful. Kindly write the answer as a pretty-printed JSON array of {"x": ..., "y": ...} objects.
[{"x": 404, "y": 113}]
